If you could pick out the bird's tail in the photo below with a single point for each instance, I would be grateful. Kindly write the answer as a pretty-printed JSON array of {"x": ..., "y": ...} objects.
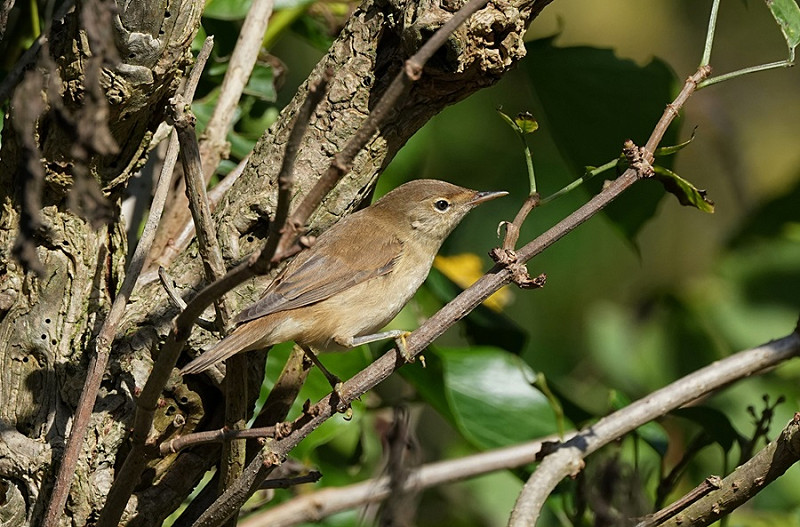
[{"x": 231, "y": 345}]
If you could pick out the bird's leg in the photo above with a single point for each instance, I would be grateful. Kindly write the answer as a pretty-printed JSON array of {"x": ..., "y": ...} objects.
[
  {"x": 335, "y": 382},
  {"x": 398, "y": 335}
]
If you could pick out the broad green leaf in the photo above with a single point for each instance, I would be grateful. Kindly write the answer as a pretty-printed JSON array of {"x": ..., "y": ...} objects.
[
  {"x": 686, "y": 193},
  {"x": 593, "y": 101},
  {"x": 491, "y": 397},
  {"x": 787, "y": 15}
]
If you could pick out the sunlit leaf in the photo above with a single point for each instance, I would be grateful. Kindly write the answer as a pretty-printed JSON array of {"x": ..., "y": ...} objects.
[
  {"x": 787, "y": 15},
  {"x": 526, "y": 123},
  {"x": 464, "y": 269},
  {"x": 686, "y": 193},
  {"x": 491, "y": 397}
]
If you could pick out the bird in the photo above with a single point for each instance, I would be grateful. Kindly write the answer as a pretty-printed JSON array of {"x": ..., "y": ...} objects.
[{"x": 355, "y": 278}]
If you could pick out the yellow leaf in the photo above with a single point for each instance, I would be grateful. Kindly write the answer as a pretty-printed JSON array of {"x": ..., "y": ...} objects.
[{"x": 464, "y": 270}]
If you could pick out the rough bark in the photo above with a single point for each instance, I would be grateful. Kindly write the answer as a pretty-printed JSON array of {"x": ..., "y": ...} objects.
[
  {"x": 47, "y": 323},
  {"x": 78, "y": 127}
]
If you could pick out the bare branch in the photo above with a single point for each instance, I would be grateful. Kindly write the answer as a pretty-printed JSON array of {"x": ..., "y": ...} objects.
[
  {"x": 243, "y": 59},
  {"x": 213, "y": 436},
  {"x": 657, "y": 518},
  {"x": 567, "y": 458},
  {"x": 315, "y": 506},
  {"x": 746, "y": 481}
]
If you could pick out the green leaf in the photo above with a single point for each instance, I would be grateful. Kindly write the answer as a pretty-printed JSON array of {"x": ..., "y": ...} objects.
[
  {"x": 669, "y": 150},
  {"x": 490, "y": 395},
  {"x": 787, "y": 15},
  {"x": 687, "y": 194},
  {"x": 511, "y": 122},
  {"x": 262, "y": 83},
  {"x": 526, "y": 123},
  {"x": 592, "y": 102}
]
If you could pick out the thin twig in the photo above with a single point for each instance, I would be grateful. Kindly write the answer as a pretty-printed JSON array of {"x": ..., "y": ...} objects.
[
  {"x": 708, "y": 485},
  {"x": 214, "y": 196},
  {"x": 233, "y": 452},
  {"x": 513, "y": 228},
  {"x": 326, "y": 502},
  {"x": 99, "y": 359},
  {"x": 276, "y": 408},
  {"x": 567, "y": 459},
  {"x": 241, "y": 64},
  {"x": 285, "y": 483},
  {"x": 213, "y": 436},
  {"x": 746, "y": 481}
]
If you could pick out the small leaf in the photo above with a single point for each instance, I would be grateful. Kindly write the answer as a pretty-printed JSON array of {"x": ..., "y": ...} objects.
[
  {"x": 686, "y": 193},
  {"x": 526, "y": 123},
  {"x": 262, "y": 83},
  {"x": 511, "y": 122},
  {"x": 787, "y": 15},
  {"x": 669, "y": 150}
]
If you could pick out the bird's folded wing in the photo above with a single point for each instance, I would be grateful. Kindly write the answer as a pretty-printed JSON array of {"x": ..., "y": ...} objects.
[{"x": 321, "y": 273}]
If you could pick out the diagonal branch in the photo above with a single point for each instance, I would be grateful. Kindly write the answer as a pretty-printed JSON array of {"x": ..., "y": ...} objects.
[
  {"x": 567, "y": 458},
  {"x": 746, "y": 481}
]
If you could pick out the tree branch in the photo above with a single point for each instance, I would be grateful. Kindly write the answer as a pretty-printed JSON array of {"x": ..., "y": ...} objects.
[
  {"x": 746, "y": 481},
  {"x": 315, "y": 506},
  {"x": 567, "y": 458}
]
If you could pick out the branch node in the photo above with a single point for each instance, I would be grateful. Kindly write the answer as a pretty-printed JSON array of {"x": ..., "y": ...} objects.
[
  {"x": 639, "y": 158},
  {"x": 413, "y": 70},
  {"x": 503, "y": 256}
]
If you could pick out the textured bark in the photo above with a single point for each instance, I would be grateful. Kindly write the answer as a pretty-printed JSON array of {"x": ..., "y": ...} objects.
[
  {"x": 87, "y": 110},
  {"x": 46, "y": 324}
]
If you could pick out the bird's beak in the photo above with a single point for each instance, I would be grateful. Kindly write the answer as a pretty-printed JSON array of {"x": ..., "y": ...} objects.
[{"x": 480, "y": 197}]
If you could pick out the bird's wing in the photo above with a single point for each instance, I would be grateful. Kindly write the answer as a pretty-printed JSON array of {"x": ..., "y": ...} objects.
[{"x": 343, "y": 266}]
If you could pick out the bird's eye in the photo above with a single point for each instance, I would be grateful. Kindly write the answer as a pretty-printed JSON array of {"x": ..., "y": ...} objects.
[{"x": 441, "y": 205}]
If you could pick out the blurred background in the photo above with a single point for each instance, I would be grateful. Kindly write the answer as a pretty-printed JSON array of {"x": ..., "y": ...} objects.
[{"x": 634, "y": 299}]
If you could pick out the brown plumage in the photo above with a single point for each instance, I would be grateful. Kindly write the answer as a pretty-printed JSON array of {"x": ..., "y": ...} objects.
[{"x": 356, "y": 277}]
